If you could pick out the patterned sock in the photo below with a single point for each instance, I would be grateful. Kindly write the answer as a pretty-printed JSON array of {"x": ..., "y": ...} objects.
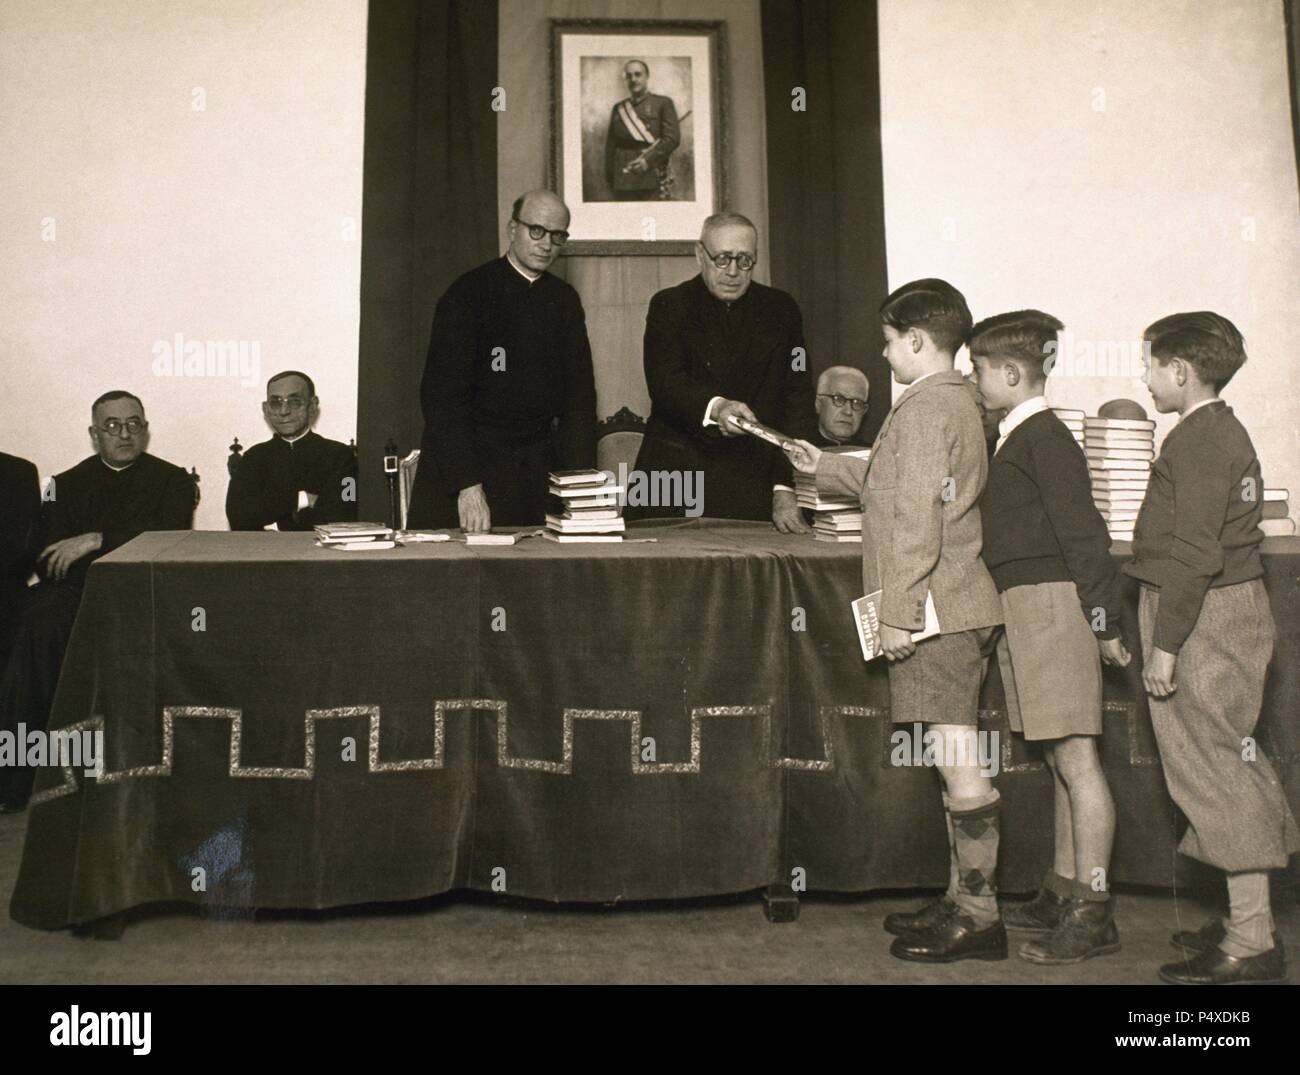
[
  {"x": 975, "y": 824},
  {"x": 1250, "y": 922}
]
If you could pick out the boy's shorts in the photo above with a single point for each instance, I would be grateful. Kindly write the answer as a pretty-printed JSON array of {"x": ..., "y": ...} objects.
[
  {"x": 940, "y": 682},
  {"x": 1050, "y": 664}
]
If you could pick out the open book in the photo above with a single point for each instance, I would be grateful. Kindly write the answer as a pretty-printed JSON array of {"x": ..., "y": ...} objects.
[{"x": 866, "y": 615}]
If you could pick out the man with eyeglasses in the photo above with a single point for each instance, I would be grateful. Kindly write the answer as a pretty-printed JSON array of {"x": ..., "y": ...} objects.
[
  {"x": 297, "y": 479},
  {"x": 721, "y": 346},
  {"x": 508, "y": 390},
  {"x": 842, "y": 393},
  {"x": 100, "y": 504}
]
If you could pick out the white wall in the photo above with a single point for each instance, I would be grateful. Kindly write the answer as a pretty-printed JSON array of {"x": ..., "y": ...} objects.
[
  {"x": 1109, "y": 162},
  {"x": 128, "y": 216}
]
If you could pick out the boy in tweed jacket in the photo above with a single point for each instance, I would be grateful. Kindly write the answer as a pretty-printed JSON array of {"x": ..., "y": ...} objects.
[{"x": 921, "y": 535}]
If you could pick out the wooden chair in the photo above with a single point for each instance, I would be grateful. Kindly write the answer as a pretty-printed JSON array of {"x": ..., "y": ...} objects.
[{"x": 618, "y": 439}]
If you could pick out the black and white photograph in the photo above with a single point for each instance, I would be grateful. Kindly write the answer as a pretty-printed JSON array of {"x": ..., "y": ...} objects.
[
  {"x": 639, "y": 117},
  {"x": 703, "y": 493}
]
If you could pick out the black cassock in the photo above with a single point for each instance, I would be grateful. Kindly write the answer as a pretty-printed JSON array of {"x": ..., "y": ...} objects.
[
  {"x": 20, "y": 495},
  {"x": 151, "y": 494},
  {"x": 698, "y": 347},
  {"x": 264, "y": 489},
  {"x": 508, "y": 394}
]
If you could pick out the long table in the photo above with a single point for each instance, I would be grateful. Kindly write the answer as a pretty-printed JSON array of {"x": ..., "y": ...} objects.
[{"x": 291, "y": 726}]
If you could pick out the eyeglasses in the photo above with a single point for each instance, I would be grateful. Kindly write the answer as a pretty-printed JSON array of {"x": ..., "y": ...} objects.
[
  {"x": 289, "y": 403},
  {"x": 114, "y": 428},
  {"x": 536, "y": 231},
  {"x": 744, "y": 262},
  {"x": 858, "y": 405}
]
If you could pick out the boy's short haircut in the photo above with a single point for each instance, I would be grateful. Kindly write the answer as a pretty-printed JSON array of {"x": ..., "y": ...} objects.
[
  {"x": 1206, "y": 341},
  {"x": 934, "y": 306},
  {"x": 1026, "y": 337}
]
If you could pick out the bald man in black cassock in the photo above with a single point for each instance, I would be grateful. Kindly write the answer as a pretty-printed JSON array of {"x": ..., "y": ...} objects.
[
  {"x": 508, "y": 390},
  {"x": 97, "y": 506}
]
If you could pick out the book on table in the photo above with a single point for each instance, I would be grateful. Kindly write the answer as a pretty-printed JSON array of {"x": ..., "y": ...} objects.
[
  {"x": 589, "y": 508},
  {"x": 578, "y": 477},
  {"x": 574, "y": 525},
  {"x": 491, "y": 539},
  {"x": 337, "y": 534},
  {"x": 573, "y": 539},
  {"x": 866, "y": 617},
  {"x": 1118, "y": 423}
]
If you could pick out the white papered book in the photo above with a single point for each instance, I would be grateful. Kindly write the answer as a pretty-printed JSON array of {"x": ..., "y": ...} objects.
[{"x": 866, "y": 615}]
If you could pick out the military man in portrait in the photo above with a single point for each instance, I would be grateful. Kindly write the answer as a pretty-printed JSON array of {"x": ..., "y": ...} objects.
[{"x": 642, "y": 135}]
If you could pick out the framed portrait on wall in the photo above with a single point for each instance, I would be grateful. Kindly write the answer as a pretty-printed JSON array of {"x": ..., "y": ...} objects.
[{"x": 639, "y": 135}]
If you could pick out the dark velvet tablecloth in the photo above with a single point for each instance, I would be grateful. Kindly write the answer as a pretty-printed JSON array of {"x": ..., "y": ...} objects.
[{"x": 651, "y": 720}]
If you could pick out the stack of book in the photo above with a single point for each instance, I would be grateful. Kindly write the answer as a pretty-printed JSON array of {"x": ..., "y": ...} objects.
[
  {"x": 1277, "y": 514},
  {"x": 591, "y": 510},
  {"x": 835, "y": 518},
  {"x": 838, "y": 526},
  {"x": 351, "y": 536},
  {"x": 1074, "y": 422},
  {"x": 1120, "y": 452}
]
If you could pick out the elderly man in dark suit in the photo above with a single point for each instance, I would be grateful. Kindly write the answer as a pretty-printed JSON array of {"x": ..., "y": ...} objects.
[
  {"x": 95, "y": 507},
  {"x": 719, "y": 347}
]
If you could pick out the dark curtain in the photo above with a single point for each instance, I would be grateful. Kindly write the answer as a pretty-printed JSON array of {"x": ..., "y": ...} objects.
[
  {"x": 1292, "y": 18},
  {"x": 826, "y": 209},
  {"x": 429, "y": 208}
]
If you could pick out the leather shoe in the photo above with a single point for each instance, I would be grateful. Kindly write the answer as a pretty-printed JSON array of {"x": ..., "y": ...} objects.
[
  {"x": 1215, "y": 967},
  {"x": 1086, "y": 930},
  {"x": 906, "y": 923},
  {"x": 957, "y": 937},
  {"x": 1208, "y": 936},
  {"x": 1042, "y": 914}
]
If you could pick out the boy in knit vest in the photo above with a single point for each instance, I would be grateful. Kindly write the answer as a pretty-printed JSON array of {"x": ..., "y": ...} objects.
[{"x": 1046, "y": 545}]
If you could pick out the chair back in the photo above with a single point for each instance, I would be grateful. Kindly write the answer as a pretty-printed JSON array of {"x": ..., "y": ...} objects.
[
  {"x": 406, "y": 482},
  {"x": 618, "y": 440}
]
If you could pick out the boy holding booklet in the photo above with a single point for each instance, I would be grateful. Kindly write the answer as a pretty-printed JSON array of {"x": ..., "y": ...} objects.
[
  {"x": 921, "y": 536},
  {"x": 1207, "y": 638},
  {"x": 1049, "y": 553}
]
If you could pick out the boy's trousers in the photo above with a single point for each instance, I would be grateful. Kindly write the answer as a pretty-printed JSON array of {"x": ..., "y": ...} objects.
[{"x": 1237, "y": 812}]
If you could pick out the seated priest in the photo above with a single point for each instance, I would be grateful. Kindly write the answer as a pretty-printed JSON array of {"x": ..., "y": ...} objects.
[
  {"x": 101, "y": 503},
  {"x": 297, "y": 479},
  {"x": 20, "y": 493},
  {"x": 717, "y": 347},
  {"x": 842, "y": 393}
]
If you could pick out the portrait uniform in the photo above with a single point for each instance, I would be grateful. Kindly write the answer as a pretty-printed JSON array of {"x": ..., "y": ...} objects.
[{"x": 640, "y": 128}]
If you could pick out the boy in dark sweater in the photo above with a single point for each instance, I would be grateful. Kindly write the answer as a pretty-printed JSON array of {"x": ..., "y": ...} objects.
[
  {"x": 1046, "y": 546},
  {"x": 1204, "y": 613}
]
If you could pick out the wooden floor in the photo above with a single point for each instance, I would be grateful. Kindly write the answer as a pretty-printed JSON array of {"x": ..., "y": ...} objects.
[{"x": 476, "y": 938}]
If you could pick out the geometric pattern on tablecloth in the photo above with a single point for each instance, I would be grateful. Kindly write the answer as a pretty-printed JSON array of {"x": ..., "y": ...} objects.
[{"x": 827, "y": 716}]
